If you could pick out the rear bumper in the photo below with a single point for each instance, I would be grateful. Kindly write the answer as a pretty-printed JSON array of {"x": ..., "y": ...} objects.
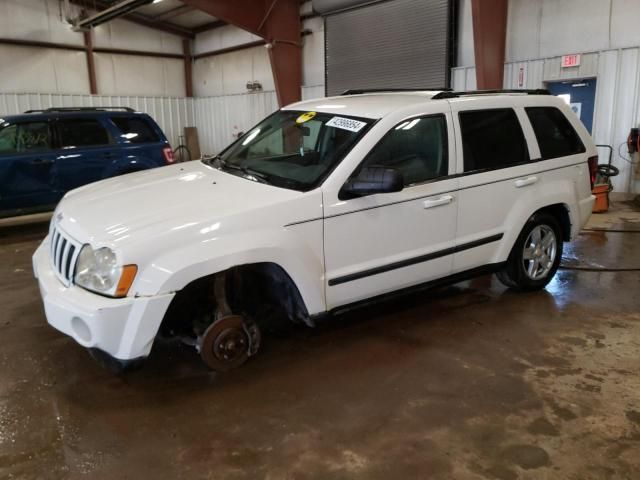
[
  {"x": 585, "y": 207},
  {"x": 123, "y": 328}
]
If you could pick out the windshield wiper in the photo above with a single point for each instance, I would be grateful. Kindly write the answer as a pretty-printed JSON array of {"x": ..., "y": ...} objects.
[
  {"x": 247, "y": 171},
  {"x": 210, "y": 160}
]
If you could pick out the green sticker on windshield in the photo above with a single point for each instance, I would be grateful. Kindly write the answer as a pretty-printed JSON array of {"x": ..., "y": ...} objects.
[{"x": 305, "y": 117}]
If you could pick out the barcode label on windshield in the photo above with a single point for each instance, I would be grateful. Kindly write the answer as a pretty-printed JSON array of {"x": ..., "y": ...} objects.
[{"x": 345, "y": 124}]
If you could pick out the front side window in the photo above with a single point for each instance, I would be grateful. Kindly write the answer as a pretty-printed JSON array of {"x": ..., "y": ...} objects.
[
  {"x": 293, "y": 149},
  {"x": 82, "y": 132},
  {"x": 492, "y": 139},
  {"x": 417, "y": 148},
  {"x": 135, "y": 130},
  {"x": 556, "y": 137},
  {"x": 25, "y": 138}
]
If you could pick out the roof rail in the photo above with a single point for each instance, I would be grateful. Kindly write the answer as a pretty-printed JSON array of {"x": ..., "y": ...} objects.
[
  {"x": 360, "y": 91},
  {"x": 452, "y": 94},
  {"x": 80, "y": 109}
]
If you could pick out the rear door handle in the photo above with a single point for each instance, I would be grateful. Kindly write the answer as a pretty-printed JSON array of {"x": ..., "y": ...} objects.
[
  {"x": 41, "y": 161},
  {"x": 523, "y": 182},
  {"x": 435, "y": 202}
]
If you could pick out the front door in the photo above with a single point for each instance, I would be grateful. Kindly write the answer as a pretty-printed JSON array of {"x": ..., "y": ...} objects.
[
  {"x": 26, "y": 161},
  {"x": 385, "y": 242},
  {"x": 580, "y": 95}
]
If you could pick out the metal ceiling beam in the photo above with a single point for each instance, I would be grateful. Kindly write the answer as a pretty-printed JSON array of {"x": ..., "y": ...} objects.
[
  {"x": 489, "y": 38},
  {"x": 278, "y": 23},
  {"x": 139, "y": 19}
]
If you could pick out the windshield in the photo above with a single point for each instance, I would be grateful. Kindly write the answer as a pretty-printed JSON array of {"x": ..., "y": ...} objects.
[{"x": 292, "y": 149}]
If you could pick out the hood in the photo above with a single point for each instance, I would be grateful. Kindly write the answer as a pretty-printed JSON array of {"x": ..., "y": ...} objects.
[{"x": 148, "y": 205}]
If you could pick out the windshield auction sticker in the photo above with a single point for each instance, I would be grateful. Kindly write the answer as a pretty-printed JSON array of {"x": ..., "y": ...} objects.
[
  {"x": 305, "y": 117},
  {"x": 345, "y": 124}
]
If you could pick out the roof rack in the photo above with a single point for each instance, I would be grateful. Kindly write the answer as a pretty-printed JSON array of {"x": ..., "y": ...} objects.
[
  {"x": 80, "y": 109},
  {"x": 452, "y": 94},
  {"x": 360, "y": 91}
]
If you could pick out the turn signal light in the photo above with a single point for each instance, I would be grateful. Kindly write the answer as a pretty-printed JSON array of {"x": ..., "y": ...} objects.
[{"x": 126, "y": 280}]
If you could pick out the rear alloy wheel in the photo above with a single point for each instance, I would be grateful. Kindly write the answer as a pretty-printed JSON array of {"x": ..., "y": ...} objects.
[{"x": 535, "y": 257}]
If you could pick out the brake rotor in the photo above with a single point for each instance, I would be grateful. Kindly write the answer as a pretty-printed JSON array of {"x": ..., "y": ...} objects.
[{"x": 229, "y": 342}]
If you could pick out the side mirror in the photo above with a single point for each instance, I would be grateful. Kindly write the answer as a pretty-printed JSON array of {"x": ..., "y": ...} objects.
[{"x": 372, "y": 180}]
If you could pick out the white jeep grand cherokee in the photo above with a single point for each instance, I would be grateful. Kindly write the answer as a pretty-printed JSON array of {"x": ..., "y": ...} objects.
[{"x": 323, "y": 205}]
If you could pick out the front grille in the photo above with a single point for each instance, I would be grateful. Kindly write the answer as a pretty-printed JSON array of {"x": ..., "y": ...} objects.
[{"x": 64, "y": 253}]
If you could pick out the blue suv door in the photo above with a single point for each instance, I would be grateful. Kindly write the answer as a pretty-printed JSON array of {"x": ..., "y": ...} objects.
[
  {"x": 26, "y": 162},
  {"x": 88, "y": 151}
]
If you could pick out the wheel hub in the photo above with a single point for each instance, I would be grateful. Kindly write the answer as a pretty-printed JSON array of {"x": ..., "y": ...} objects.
[{"x": 229, "y": 342}]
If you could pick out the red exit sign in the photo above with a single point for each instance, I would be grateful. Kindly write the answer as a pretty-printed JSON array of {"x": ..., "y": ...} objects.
[{"x": 571, "y": 60}]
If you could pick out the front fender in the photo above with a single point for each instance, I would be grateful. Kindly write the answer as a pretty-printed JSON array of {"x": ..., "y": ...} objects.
[{"x": 297, "y": 250}]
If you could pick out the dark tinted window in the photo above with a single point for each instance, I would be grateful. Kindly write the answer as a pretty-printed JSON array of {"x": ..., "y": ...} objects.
[
  {"x": 135, "y": 130},
  {"x": 416, "y": 147},
  {"x": 556, "y": 137},
  {"x": 25, "y": 138},
  {"x": 492, "y": 139},
  {"x": 82, "y": 132}
]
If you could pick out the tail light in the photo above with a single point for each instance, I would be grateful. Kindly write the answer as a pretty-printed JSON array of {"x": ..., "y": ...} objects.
[
  {"x": 593, "y": 169},
  {"x": 168, "y": 155}
]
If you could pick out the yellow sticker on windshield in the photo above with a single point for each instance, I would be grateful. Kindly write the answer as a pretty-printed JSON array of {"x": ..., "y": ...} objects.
[{"x": 305, "y": 117}]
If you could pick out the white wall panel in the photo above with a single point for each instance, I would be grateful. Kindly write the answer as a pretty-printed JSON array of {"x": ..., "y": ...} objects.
[
  {"x": 172, "y": 114},
  {"x": 137, "y": 75},
  {"x": 36, "y": 69},
  {"x": 37, "y": 20},
  {"x": 128, "y": 35},
  {"x": 465, "y": 53},
  {"x": 219, "y": 119}
]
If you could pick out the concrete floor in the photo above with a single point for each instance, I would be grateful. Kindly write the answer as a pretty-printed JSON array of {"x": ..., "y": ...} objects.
[{"x": 466, "y": 382}]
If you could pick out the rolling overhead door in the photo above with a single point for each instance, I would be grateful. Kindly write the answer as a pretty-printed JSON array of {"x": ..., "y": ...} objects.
[{"x": 386, "y": 44}]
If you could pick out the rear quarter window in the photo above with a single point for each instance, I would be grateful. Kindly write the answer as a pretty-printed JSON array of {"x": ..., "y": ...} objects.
[
  {"x": 556, "y": 137},
  {"x": 492, "y": 139},
  {"x": 136, "y": 130}
]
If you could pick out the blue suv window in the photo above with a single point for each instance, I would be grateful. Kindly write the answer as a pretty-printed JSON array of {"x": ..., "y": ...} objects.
[
  {"x": 135, "y": 130},
  {"x": 25, "y": 137},
  {"x": 82, "y": 132}
]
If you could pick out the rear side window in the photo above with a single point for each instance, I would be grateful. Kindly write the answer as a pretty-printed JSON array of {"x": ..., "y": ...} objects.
[
  {"x": 82, "y": 132},
  {"x": 417, "y": 148},
  {"x": 556, "y": 137},
  {"x": 135, "y": 130},
  {"x": 492, "y": 139},
  {"x": 25, "y": 138}
]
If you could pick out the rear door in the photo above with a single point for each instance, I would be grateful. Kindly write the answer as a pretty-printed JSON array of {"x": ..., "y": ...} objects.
[
  {"x": 499, "y": 175},
  {"x": 26, "y": 162},
  {"x": 87, "y": 151}
]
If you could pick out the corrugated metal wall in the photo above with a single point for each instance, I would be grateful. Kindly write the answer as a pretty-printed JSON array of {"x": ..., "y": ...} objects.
[
  {"x": 219, "y": 119},
  {"x": 617, "y": 106},
  {"x": 171, "y": 113},
  {"x": 215, "y": 117}
]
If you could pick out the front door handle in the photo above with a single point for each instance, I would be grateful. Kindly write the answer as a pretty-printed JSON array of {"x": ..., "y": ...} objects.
[
  {"x": 523, "y": 182},
  {"x": 41, "y": 161},
  {"x": 435, "y": 202}
]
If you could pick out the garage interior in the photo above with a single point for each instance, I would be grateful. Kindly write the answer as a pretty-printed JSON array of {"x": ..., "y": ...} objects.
[{"x": 470, "y": 381}]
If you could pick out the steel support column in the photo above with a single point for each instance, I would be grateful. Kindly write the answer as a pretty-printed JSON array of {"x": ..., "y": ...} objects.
[
  {"x": 188, "y": 67},
  {"x": 489, "y": 38},
  {"x": 278, "y": 23},
  {"x": 91, "y": 65}
]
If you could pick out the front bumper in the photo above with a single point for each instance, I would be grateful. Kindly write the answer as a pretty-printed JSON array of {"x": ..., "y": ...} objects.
[{"x": 124, "y": 328}]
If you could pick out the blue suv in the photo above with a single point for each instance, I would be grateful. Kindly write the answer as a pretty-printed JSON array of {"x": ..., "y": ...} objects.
[{"x": 46, "y": 153}]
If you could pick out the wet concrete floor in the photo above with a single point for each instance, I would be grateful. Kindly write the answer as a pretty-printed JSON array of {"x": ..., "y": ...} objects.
[{"x": 466, "y": 382}]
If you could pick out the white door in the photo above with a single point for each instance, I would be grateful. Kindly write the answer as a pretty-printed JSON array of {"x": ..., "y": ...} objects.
[
  {"x": 498, "y": 178},
  {"x": 385, "y": 242}
]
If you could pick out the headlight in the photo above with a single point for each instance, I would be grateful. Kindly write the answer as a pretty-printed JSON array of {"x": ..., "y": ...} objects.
[{"x": 98, "y": 271}]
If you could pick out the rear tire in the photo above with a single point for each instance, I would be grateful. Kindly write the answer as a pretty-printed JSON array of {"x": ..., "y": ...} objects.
[{"x": 535, "y": 256}]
